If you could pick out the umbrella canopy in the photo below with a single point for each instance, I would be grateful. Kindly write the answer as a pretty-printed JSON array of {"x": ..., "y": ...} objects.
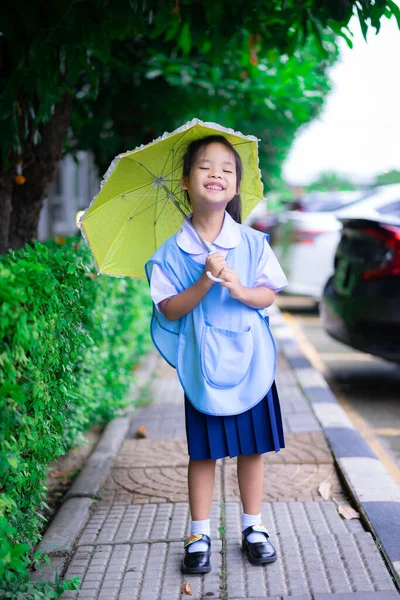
[{"x": 136, "y": 209}]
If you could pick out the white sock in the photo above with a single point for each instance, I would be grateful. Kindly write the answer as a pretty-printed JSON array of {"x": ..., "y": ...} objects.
[
  {"x": 199, "y": 527},
  {"x": 254, "y": 536}
]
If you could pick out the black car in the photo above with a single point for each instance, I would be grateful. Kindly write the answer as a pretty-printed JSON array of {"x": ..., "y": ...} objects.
[{"x": 361, "y": 301}]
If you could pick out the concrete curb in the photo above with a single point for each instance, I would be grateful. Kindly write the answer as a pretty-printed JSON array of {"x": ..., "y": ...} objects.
[
  {"x": 375, "y": 493},
  {"x": 71, "y": 518}
]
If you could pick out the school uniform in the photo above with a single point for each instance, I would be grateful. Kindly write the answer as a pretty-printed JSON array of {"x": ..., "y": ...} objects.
[{"x": 223, "y": 350}]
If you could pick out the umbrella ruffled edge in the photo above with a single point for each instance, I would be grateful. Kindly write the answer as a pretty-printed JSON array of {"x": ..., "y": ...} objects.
[{"x": 167, "y": 134}]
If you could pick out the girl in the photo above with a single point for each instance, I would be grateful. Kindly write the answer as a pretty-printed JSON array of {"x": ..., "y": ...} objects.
[{"x": 216, "y": 336}]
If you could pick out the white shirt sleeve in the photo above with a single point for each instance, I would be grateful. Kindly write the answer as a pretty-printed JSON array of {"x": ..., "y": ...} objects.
[
  {"x": 160, "y": 285},
  {"x": 269, "y": 272}
]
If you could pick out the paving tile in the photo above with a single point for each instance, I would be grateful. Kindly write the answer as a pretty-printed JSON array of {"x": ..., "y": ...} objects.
[
  {"x": 146, "y": 570},
  {"x": 318, "y": 553},
  {"x": 287, "y": 482},
  {"x": 387, "y": 595},
  {"x": 152, "y": 453},
  {"x": 139, "y": 523},
  {"x": 160, "y": 420},
  {"x": 302, "y": 421},
  {"x": 153, "y": 484},
  {"x": 302, "y": 448}
]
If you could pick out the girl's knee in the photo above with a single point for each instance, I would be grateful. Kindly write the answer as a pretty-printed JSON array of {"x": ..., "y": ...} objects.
[{"x": 249, "y": 457}]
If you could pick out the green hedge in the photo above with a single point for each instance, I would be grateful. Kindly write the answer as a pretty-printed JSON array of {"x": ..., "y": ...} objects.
[{"x": 68, "y": 343}]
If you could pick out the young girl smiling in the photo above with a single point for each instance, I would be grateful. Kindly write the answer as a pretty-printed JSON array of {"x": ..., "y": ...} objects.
[{"x": 216, "y": 335}]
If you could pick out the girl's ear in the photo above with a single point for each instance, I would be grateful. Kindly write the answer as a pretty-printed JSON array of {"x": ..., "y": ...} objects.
[{"x": 184, "y": 182}]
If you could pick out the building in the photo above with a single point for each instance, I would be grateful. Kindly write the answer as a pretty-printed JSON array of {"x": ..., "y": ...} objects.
[{"x": 76, "y": 183}]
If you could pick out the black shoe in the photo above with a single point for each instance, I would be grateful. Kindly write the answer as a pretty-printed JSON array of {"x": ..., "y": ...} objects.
[
  {"x": 258, "y": 553},
  {"x": 197, "y": 562}
]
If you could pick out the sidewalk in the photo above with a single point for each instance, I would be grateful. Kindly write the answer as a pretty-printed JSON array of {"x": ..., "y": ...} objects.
[{"x": 127, "y": 545}]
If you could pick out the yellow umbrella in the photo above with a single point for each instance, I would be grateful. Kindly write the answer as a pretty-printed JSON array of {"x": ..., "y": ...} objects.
[{"x": 140, "y": 203}]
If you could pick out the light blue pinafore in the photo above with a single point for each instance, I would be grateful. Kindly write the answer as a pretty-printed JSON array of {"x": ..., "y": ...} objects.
[{"x": 223, "y": 350}]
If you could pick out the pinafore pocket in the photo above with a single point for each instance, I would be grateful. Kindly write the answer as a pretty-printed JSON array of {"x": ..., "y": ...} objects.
[{"x": 225, "y": 355}]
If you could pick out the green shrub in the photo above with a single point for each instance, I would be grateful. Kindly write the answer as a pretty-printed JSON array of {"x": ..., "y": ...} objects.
[{"x": 68, "y": 344}]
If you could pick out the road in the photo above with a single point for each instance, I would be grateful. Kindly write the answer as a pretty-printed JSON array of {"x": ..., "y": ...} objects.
[{"x": 368, "y": 388}]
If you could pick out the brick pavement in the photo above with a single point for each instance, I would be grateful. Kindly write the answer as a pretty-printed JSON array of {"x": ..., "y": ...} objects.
[{"x": 131, "y": 547}]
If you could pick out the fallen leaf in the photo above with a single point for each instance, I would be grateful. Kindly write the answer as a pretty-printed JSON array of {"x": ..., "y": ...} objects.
[
  {"x": 141, "y": 432},
  {"x": 61, "y": 474},
  {"x": 325, "y": 490},
  {"x": 92, "y": 275},
  {"x": 186, "y": 589},
  {"x": 347, "y": 512}
]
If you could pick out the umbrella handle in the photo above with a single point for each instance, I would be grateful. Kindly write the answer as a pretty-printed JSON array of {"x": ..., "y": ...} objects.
[
  {"x": 217, "y": 279},
  {"x": 210, "y": 275}
]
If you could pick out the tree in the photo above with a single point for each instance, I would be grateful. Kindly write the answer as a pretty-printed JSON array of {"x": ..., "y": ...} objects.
[
  {"x": 330, "y": 181},
  {"x": 50, "y": 54},
  {"x": 387, "y": 177}
]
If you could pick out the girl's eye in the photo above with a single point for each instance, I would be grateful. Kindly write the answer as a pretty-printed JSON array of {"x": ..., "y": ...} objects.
[
  {"x": 228, "y": 171},
  {"x": 203, "y": 168}
]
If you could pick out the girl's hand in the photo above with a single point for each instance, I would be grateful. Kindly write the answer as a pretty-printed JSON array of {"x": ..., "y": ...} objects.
[
  {"x": 214, "y": 263},
  {"x": 232, "y": 282}
]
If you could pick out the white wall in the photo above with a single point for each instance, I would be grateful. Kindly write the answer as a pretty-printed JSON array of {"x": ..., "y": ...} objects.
[{"x": 74, "y": 188}]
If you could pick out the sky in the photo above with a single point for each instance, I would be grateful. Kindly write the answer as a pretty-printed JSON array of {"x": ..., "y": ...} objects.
[{"x": 358, "y": 131}]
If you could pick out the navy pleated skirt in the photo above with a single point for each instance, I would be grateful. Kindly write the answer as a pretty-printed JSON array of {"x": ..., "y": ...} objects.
[{"x": 255, "y": 431}]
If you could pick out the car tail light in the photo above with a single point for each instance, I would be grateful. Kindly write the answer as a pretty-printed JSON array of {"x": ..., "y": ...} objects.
[
  {"x": 300, "y": 236},
  {"x": 390, "y": 236},
  {"x": 259, "y": 225}
]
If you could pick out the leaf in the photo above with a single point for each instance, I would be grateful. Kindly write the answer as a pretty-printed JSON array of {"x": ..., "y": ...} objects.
[
  {"x": 13, "y": 461},
  {"x": 325, "y": 490},
  {"x": 153, "y": 74},
  {"x": 363, "y": 24},
  {"x": 61, "y": 474},
  {"x": 186, "y": 589},
  {"x": 395, "y": 10},
  {"x": 185, "y": 39},
  {"x": 347, "y": 512},
  {"x": 141, "y": 432}
]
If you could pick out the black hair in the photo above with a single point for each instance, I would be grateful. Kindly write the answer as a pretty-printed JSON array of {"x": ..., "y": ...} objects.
[{"x": 234, "y": 206}]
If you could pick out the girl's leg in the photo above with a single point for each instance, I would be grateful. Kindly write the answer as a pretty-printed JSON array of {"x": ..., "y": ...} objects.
[
  {"x": 250, "y": 471},
  {"x": 255, "y": 543},
  {"x": 201, "y": 474}
]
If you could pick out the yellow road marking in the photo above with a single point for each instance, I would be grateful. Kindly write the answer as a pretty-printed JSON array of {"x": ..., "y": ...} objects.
[
  {"x": 387, "y": 431},
  {"x": 368, "y": 434},
  {"x": 358, "y": 356}
]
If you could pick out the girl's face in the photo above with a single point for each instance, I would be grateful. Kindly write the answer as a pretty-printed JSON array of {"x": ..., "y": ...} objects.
[{"x": 212, "y": 179}]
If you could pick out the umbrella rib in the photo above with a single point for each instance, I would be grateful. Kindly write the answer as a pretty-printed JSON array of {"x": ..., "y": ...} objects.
[
  {"x": 119, "y": 196},
  {"x": 156, "y": 220},
  {"x": 122, "y": 228},
  {"x": 176, "y": 143}
]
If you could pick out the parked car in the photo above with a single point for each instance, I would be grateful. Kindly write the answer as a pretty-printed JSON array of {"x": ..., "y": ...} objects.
[
  {"x": 263, "y": 220},
  {"x": 306, "y": 240},
  {"x": 361, "y": 301}
]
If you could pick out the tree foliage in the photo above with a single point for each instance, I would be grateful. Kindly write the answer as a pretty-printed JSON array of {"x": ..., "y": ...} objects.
[
  {"x": 270, "y": 98},
  {"x": 331, "y": 181},
  {"x": 47, "y": 47},
  {"x": 388, "y": 178}
]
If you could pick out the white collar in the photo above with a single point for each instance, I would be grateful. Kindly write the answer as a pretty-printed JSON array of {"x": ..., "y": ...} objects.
[{"x": 228, "y": 237}]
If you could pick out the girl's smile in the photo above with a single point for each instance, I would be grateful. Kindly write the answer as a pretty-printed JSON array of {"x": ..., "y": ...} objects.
[{"x": 212, "y": 180}]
